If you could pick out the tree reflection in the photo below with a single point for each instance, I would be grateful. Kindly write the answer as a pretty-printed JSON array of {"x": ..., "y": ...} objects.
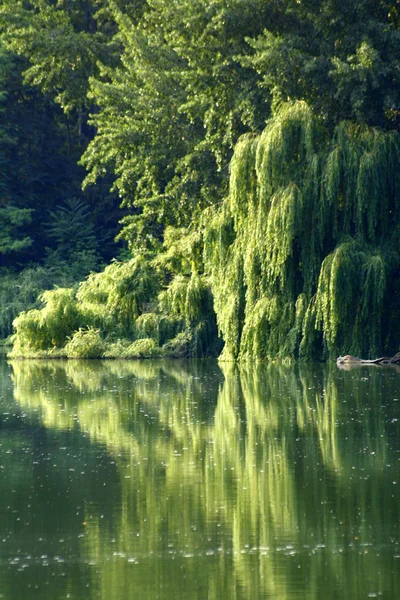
[{"x": 275, "y": 481}]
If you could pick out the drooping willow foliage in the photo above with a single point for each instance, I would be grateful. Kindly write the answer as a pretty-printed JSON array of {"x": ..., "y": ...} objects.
[
  {"x": 106, "y": 305},
  {"x": 125, "y": 311},
  {"x": 114, "y": 297},
  {"x": 304, "y": 254},
  {"x": 48, "y": 328},
  {"x": 301, "y": 260}
]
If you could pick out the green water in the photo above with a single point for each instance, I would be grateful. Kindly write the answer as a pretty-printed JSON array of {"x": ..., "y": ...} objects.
[{"x": 170, "y": 480}]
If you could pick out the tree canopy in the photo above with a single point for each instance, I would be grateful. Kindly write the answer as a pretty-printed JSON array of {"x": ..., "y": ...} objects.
[{"x": 251, "y": 145}]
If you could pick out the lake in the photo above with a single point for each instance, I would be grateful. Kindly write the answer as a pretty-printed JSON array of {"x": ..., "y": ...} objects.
[{"x": 188, "y": 480}]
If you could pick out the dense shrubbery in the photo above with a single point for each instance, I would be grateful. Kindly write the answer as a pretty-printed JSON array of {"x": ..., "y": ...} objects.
[
  {"x": 106, "y": 317},
  {"x": 49, "y": 327},
  {"x": 301, "y": 260},
  {"x": 21, "y": 290},
  {"x": 85, "y": 343}
]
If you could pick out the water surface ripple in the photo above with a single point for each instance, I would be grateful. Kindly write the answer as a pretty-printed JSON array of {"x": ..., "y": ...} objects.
[{"x": 193, "y": 481}]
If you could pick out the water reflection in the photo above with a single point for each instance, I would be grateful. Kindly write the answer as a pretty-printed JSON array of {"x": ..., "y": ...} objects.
[{"x": 179, "y": 480}]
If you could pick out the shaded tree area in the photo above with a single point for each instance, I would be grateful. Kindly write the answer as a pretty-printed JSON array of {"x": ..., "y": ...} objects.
[
  {"x": 51, "y": 232},
  {"x": 170, "y": 115},
  {"x": 37, "y": 171},
  {"x": 259, "y": 235}
]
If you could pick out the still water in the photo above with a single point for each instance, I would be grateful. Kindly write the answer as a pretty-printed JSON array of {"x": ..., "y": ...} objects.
[{"x": 170, "y": 480}]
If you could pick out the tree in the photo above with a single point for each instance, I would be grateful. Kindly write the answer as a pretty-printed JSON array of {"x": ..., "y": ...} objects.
[
  {"x": 340, "y": 57},
  {"x": 172, "y": 86},
  {"x": 194, "y": 76},
  {"x": 304, "y": 253},
  {"x": 13, "y": 218},
  {"x": 53, "y": 47},
  {"x": 170, "y": 115}
]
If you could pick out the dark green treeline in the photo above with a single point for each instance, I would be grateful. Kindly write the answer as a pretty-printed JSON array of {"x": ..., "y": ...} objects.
[{"x": 279, "y": 243}]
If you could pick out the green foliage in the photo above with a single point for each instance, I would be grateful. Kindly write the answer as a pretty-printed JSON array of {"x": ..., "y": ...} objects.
[
  {"x": 116, "y": 349},
  {"x": 311, "y": 200},
  {"x": 61, "y": 42},
  {"x": 147, "y": 326},
  {"x": 197, "y": 342},
  {"x": 20, "y": 289},
  {"x": 339, "y": 57},
  {"x": 31, "y": 167},
  {"x": 146, "y": 348},
  {"x": 71, "y": 227},
  {"x": 85, "y": 343},
  {"x": 170, "y": 115},
  {"x": 349, "y": 303},
  {"x": 12, "y": 220},
  {"x": 182, "y": 251},
  {"x": 181, "y": 346},
  {"x": 49, "y": 327},
  {"x": 19, "y": 292},
  {"x": 194, "y": 76},
  {"x": 189, "y": 298},
  {"x": 303, "y": 252},
  {"x": 158, "y": 326},
  {"x": 40, "y": 144},
  {"x": 111, "y": 306},
  {"x": 114, "y": 298},
  {"x": 126, "y": 349}
]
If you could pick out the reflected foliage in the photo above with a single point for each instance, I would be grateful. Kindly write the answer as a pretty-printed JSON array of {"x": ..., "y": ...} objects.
[{"x": 262, "y": 479}]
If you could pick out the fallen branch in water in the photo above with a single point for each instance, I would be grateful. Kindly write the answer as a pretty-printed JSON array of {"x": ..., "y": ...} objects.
[{"x": 354, "y": 360}]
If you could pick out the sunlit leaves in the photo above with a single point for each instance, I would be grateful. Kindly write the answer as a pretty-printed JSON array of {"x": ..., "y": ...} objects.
[{"x": 314, "y": 240}]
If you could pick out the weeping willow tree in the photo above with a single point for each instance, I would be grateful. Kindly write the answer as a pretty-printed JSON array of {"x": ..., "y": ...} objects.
[
  {"x": 106, "y": 305},
  {"x": 304, "y": 254},
  {"x": 49, "y": 327},
  {"x": 138, "y": 308}
]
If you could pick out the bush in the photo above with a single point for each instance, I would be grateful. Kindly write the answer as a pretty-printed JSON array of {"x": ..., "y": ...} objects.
[
  {"x": 49, "y": 327},
  {"x": 159, "y": 327},
  {"x": 116, "y": 349},
  {"x": 144, "y": 348},
  {"x": 85, "y": 343},
  {"x": 19, "y": 292},
  {"x": 115, "y": 296},
  {"x": 180, "y": 346}
]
